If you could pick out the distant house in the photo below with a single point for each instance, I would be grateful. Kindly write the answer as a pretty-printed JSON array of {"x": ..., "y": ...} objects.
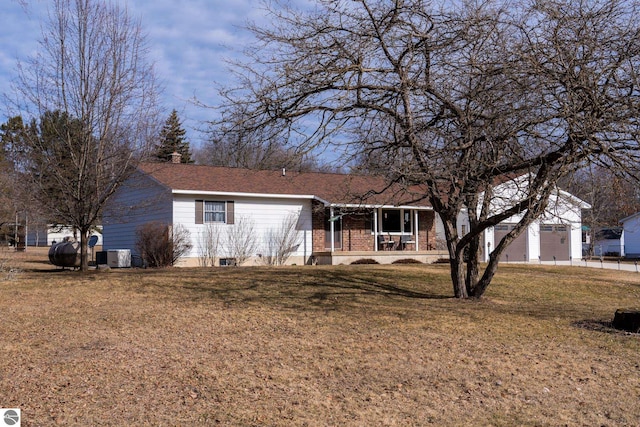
[
  {"x": 630, "y": 239},
  {"x": 49, "y": 234},
  {"x": 338, "y": 218},
  {"x": 609, "y": 242}
]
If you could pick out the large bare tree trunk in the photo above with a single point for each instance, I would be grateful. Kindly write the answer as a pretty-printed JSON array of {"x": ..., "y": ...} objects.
[
  {"x": 458, "y": 277},
  {"x": 84, "y": 250},
  {"x": 472, "y": 252},
  {"x": 456, "y": 260},
  {"x": 487, "y": 276}
]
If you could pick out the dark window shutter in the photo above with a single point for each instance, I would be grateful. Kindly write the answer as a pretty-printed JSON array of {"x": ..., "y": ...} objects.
[
  {"x": 199, "y": 211},
  {"x": 230, "y": 212}
]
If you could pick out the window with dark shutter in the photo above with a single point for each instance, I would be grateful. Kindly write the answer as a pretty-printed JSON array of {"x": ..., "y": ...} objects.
[
  {"x": 230, "y": 212},
  {"x": 199, "y": 211},
  {"x": 208, "y": 211},
  {"x": 214, "y": 212}
]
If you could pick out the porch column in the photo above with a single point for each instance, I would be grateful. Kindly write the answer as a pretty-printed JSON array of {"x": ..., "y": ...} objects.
[
  {"x": 417, "y": 228},
  {"x": 332, "y": 229},
  {"x": 375, "y": 230}
]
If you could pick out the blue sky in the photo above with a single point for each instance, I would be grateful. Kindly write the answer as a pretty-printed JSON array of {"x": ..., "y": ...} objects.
[{"x": 189, "y": 41}]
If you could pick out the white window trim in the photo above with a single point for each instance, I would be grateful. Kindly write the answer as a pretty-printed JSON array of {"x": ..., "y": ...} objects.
[
  {"x": 223, "y": 211},
  {"x": 378, "y": 223}
]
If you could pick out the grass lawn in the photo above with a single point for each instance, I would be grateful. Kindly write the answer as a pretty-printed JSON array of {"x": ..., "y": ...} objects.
[{"x": 318, "y": 346}]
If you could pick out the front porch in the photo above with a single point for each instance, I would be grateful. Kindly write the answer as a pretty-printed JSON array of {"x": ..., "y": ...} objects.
[
  {"x": 382, "y": 257},
  {"x": 387, "y": 232}
]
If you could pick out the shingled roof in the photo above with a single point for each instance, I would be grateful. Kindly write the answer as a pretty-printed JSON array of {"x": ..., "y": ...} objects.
[{"x": 328, "y": 187}]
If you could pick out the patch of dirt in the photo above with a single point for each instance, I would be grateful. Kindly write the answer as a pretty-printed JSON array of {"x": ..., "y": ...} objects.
[{"x": 603, "y": 326}]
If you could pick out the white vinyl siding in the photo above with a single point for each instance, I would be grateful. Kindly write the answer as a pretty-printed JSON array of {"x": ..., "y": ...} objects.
[
  {"x": 631, "y": 236},
  {"x": 266, "y": 214}
]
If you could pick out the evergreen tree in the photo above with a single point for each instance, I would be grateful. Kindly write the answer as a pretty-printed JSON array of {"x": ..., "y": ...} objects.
[
  {"x": 172, "y": 139},
  {"x": 10, "y": 137},
  {"x": 11, "y": 133}
]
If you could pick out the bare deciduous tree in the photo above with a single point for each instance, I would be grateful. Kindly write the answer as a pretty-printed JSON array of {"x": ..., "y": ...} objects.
[
  {"x": 612, "y": 197},
  {"x": 12, "y": 200},
  {"x": 282, "y": 241},
  {"x": 452, "y": 98},
  {"x": 240, "y": 240},
  {"x": 161, "y": 245},
  {"x": 209, "y": 244},
  {"x": 247, "y": 150},
  {"x": 92, "y": 69}
]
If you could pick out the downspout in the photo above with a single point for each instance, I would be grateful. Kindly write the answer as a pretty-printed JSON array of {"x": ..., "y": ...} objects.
[
  {"x": 332, "y": 229},
  {"x": 487, "y": 245},
  {"x": 569, "y": 238},
  {"x": 375, "y": 230},
  {"x": 416, "y": 231}
]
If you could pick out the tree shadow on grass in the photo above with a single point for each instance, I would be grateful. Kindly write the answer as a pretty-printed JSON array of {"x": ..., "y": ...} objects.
[
  {"x": 49, "y": 268},
  {"x": 341, "y": 281},
  {"x": 40, "y": 262},
  {"x": 289, "y": 287},
  {"x": 327, "y": 289}
]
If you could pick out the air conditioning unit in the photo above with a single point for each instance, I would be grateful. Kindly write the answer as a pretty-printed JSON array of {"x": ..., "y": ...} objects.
[{"x": 119, "y": 258}]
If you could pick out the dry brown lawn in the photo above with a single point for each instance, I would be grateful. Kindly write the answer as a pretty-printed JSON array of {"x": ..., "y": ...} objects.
[{"x": 316, "y": 346}]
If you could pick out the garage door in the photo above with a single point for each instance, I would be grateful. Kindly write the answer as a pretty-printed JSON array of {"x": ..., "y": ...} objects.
[
  {"x": 517, "y": 249},
  {"x": 554, "y": 241}
]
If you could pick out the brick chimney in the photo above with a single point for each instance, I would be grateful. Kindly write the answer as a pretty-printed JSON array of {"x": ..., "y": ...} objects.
[{"x": 176, "y": 157}]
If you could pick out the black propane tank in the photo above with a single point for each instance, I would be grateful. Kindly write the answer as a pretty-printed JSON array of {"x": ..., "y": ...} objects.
[{"x": 65, "y": 254}]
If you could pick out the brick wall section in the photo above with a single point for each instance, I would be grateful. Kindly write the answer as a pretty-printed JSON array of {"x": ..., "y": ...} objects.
[
  {"x": 427, "y": 230},
  {"x": 317, "y": 221},
  {"x": 356, "y": 231}
]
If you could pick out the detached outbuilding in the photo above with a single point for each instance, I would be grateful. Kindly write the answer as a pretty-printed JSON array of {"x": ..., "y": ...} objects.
[
  {"x": 50, "y": 234},
  {"x": 609, "y": 242},
  {"x": 556, "y": 236}
]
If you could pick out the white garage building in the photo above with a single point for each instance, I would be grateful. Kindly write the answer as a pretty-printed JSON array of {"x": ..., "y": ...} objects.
[{"x": 556, "y": 236}]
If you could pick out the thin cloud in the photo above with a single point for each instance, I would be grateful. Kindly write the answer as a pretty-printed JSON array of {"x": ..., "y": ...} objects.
[{"x": 190, "y": 43}]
